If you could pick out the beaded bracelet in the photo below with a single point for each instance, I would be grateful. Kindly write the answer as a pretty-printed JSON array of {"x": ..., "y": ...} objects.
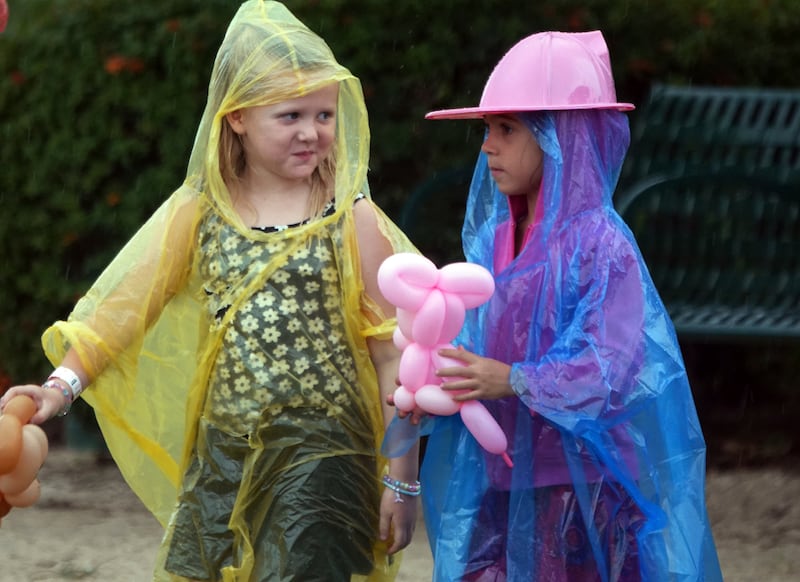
[
  {"x": 67, "y": 392},
  {"x": 400, "y": 487},
  {"x": 70, "y": 377}
]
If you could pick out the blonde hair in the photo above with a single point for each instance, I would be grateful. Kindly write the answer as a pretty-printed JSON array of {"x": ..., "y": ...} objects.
[
  {"x": 264, "y": 61},
  {"x": 287, "y": 72}
]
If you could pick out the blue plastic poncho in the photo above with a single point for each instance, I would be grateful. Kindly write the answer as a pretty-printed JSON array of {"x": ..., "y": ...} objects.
[{"x": 604, "y": 429}]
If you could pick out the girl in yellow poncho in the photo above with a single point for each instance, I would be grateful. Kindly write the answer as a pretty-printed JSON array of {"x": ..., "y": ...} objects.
[{"x": 238, "y": 349}]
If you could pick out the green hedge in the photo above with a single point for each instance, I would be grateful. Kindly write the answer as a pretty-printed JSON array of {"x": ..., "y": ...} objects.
[{"x": 100, "y": 100}]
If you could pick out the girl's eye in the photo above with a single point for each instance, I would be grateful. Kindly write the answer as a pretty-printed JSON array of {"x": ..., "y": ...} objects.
[
  {"x": 291, "y": 115},
  {"x": 327, "y": 115},
  {"x": 500, "y": 128}
]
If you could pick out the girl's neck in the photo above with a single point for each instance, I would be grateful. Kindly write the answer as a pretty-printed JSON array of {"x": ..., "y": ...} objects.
[
  {"x": 524, "y": 211},
  {"x": 270, "y": 202},
  {"x": 523, "y": 208}
]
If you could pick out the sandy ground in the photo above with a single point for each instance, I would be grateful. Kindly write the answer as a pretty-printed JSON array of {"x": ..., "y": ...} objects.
[{"x": 89, "y": 526}]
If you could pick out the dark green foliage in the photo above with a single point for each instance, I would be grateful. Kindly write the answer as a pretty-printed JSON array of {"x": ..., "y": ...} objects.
[{"x": 99, "y": 102}]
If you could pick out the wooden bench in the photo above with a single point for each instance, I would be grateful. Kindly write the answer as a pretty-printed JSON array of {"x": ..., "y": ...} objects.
[
  {"x": 680, "y": 130},
  {"x": 723, "y": 251},
  {"x": 711, "y": 191}
]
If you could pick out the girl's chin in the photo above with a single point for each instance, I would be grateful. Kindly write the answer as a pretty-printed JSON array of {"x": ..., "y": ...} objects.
[
  {"x": 508, "y": 192},
  {"x": 301, "y": 172}
]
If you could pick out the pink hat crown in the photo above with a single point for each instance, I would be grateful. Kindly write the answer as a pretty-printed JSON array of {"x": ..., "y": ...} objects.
[{"x": 548, "y": 71}]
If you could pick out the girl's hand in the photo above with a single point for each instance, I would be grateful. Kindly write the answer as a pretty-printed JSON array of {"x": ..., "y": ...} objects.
[
  {"x": 481, "y": 378},
  {"x": 416, "y": 415},
  {"x": 48, "y": 402},
  {"x": 398, "y": 520}
]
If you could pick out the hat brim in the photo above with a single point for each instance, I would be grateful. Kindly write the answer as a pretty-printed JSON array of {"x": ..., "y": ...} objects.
[{"x": 478, "y": 112}]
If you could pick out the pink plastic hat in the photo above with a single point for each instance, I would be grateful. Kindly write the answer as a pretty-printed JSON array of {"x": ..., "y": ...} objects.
[{"x": 547, "y": 71}]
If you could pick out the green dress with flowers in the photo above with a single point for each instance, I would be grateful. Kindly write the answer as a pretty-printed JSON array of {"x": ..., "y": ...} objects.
[{"x": 284, "y": 386}]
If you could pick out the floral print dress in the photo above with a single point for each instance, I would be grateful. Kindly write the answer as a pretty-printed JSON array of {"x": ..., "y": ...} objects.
[{"x": 283, "y": 395}]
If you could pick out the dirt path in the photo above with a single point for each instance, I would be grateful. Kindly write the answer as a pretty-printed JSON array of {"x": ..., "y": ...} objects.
[{"x": 89, "y": 526}]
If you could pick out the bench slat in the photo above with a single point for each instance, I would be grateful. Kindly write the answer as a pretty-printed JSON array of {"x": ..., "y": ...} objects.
[
  {"x": 723, "y": 251},
  {"x": 683, "y": 129}
]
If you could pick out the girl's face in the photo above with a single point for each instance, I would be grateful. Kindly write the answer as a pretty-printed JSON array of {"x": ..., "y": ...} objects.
[
  {"x": 288, "y": 140},
  {"x": 515, "y": 158}
]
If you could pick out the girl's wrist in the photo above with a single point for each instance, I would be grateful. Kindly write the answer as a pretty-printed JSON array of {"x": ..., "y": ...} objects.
[
  {"x": 69, "y": 378},
  {"x": 54, "y": 384},
  {"x": 402, "y": 488},
  {"x": 68, "y": 383}
]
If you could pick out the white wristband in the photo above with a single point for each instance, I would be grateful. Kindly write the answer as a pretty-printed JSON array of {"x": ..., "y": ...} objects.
[{"x": 71, "y": 378}]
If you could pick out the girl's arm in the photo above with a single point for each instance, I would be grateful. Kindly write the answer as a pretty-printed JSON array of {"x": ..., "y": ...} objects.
[
  {"x": 119, "y": 307},
  {"x": 397, "y": 519}
]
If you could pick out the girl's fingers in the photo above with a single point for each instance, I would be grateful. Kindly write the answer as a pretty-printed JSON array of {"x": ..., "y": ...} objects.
[
  {"x": 449, "y": 372},
  {"x": 458, "y": 385},
  {"x": 471, "y": 395},
  {"x": 457, "y": 353}
]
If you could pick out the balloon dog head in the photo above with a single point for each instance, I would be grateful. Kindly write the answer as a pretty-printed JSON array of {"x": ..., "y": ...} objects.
[{"x": 431, "y": 307}]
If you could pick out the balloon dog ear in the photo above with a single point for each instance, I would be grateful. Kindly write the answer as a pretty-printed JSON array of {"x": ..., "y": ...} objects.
[
  {"x": 406, "y": 279},
  {"x": 471, "y": 282}
]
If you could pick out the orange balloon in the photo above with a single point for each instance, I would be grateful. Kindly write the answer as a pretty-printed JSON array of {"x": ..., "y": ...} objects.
[
  {"x": 41, "y": 437},
  {"x": 23, "y": 407},
  {"x": 5, "y": 506},
  {"x": 28, "y": 497},
  {"x": 30, "y": 461},
  {"x": 10, "y": 442}
]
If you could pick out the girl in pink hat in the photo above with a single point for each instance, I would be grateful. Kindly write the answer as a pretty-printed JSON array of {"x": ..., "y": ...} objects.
[{"x": 574, "y": 355}]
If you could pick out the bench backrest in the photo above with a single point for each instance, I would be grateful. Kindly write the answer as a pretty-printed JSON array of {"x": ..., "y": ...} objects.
[
  {"x": 723, "y": 251},
  {"x": 680, "y": 130}
]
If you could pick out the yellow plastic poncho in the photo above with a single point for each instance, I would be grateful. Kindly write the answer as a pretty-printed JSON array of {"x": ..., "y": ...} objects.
[{"x": 150, "y": 331}]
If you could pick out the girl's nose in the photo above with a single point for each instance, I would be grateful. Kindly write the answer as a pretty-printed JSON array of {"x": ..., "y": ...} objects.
[
  {"x": 487, "y": 146},
  {"x": 308, "y": 132}
]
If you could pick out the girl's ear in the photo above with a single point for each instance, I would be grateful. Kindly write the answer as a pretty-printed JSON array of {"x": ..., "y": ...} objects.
[{"x": 234, "y": 119}]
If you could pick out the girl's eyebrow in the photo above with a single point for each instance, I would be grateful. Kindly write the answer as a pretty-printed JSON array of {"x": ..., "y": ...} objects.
[{"x": 506, "y": 117}]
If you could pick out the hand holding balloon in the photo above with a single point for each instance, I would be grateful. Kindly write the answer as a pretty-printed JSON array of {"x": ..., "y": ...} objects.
[
  {"x": 475, "y": 377},
  {"x": 23, "y": 449},
  {"x": 431, "y": 307}
]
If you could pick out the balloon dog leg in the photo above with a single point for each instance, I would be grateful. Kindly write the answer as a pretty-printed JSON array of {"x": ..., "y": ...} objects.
[{"x": 485, "y": 429}]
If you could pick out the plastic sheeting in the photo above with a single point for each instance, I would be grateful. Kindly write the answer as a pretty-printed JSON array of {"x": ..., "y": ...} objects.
[
  {"x": 604, "y": 430},
  {"x": 171, "y": 316}
]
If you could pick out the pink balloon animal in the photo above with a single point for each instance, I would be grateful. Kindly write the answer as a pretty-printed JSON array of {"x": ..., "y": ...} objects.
[{"x": 431, "y": 305}]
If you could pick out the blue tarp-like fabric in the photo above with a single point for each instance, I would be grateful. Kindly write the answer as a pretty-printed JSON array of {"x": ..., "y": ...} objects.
[{"x": 603, "y": 397}]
